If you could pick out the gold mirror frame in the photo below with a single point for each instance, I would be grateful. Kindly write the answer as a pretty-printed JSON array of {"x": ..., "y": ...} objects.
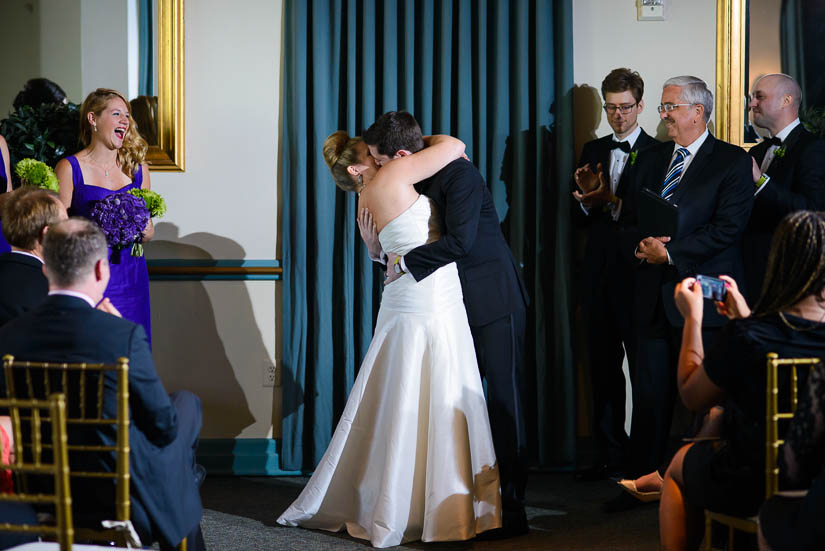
[
  {"x": 730, "y": 71},
  {"x": 168, "y": 155}
]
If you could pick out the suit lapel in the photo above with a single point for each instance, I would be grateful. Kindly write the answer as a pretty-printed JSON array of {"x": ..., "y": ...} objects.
[
  {"x": 641, "y": 142},
  {"x": 695, "y": 168},
  {"x": 778, "y": 163}
]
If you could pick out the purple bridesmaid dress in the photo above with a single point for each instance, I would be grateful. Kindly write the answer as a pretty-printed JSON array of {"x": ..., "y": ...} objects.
[
  {"x": 129, "y": 283},
  {"x": 4, "y": 245}
]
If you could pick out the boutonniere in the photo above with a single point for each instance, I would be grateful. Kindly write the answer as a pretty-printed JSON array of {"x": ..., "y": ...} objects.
[
  {"x": 633, "y": 155},
  {"x": 780, "y": 151}
]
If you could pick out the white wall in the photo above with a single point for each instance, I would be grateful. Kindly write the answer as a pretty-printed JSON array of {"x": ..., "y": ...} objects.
[
  {"x": 607, "y": 35},
  {"x": 213, "y": 337},
  {"x": 103, "y": 41},
  {"x": 60, "y": 46},
  {"x": 19, "y": 48}
]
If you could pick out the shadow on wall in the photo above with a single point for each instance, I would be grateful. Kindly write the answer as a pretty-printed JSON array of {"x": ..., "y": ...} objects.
[
  {"x": 587, "y": 112},
  {"x": 189, "y": 351}
]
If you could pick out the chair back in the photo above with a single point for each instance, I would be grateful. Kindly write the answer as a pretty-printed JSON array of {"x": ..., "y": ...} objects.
[
  {"x": 774, "y": 415},
  {"x": 47, "y": 431},
  {"x": 88, "y": 412}
]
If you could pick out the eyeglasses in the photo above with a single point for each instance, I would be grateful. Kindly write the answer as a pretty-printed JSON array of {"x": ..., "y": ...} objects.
[
  {"x": 671, "y": 106},
  {"x": 623, "y": 109}
]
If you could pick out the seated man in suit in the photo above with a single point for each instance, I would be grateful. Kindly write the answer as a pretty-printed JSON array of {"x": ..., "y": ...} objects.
[
  {"x": 605, "y": 268},
  {"x": 788, "y": 171},
  {"x": 710, "y": 181},
  {"x": 26, "y": 213},
  {"x": 163, "y": 433}
]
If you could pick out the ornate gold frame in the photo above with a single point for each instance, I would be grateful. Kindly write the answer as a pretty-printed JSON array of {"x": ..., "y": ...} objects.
[
  {"x": 730, "y": 70},
  {"x": 168, "y": 155}
]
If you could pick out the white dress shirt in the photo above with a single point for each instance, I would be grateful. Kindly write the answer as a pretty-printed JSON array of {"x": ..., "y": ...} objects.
[{"x": 771, "y": 152}]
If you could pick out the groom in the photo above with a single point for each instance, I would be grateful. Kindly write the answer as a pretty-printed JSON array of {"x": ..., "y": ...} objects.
[{"x": 494, "y": 294}]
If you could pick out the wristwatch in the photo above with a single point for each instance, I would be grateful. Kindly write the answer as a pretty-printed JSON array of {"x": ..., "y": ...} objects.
[{"x": 397, "y": 266}]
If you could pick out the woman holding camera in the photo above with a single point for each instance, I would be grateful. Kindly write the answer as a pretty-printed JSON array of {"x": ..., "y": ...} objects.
[{"x": 727, "y": 474}]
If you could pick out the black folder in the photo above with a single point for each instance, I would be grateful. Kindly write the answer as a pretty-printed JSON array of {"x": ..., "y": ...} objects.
[{"x": 657, "y": 216}]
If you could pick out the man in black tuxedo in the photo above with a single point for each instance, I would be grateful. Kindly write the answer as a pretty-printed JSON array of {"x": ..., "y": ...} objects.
[
  {"x": 494, "y": 294},
  {"x": 163, "y": 433},
  {"x": 607, "y": 273},
  {"x": 710, "y": 181},
  {"x": 788, "y": 171},
  {"x": 27, "y": 213}
]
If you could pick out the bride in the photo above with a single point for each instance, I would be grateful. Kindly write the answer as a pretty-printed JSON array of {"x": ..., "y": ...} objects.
[{"x": 412, "y": 456}]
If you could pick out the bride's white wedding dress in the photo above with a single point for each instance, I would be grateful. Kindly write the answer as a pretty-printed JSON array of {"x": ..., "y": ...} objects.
[{"x": 412, "y": 456}]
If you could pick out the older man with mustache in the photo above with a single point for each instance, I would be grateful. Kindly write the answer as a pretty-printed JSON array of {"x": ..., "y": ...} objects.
[{"x": 710, "y": 182}]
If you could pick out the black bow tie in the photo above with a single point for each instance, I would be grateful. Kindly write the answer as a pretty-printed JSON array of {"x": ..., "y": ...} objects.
[
  {"x": 624, "y": 146},
  {"x": 773, "y": 141}
]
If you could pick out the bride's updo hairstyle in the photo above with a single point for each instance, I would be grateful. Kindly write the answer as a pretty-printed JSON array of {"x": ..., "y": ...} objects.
[
  {"x": 133, "y": 151},
  {"x": 339, "y": 153},
  {"x": 796, "y": 265}
]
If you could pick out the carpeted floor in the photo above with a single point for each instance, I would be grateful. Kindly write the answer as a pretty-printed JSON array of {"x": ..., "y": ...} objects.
[{"x": 564, "y": 515}]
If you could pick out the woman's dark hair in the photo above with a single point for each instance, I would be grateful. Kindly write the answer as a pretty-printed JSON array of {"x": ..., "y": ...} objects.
[
  {"x": 38, "y": 91},
  {"x": 796, "y": 265}
]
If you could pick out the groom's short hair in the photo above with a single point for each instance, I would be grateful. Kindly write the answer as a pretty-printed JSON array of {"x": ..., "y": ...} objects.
[{"x": 393, "y": 131}]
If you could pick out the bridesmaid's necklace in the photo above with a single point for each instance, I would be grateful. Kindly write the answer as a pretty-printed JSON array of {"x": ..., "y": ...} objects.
[{"x": 101, "y": 167}]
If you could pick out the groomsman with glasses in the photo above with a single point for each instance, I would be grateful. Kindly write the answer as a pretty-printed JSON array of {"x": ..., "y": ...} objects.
[
  {"x": 710, "y": 182},
  {"x": 607, "y": 274},
  {"x": 788, "y": 171}
]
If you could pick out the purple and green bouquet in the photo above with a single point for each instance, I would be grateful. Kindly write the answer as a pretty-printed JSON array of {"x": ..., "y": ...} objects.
[{"x": 122, "y": 217}]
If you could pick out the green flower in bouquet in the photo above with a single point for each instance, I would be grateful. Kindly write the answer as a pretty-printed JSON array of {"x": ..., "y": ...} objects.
[
  {"x": 37, "y": 174},
  {"x": 154, "y": 202}
]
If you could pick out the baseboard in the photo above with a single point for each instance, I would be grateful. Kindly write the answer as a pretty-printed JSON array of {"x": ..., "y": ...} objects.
[{"x": 241, "y": 457}]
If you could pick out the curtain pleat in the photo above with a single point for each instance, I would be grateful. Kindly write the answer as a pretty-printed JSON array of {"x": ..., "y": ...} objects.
[{"x": 495, "y": 73}]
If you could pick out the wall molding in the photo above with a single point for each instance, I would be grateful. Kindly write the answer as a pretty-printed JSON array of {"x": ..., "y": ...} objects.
[
  {"x": 242, "y": 457},
  {"x": 172, "y": 269}
]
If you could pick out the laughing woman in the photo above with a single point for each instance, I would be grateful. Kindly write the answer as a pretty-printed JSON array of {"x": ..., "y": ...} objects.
[{"x": 111, "y": 162}]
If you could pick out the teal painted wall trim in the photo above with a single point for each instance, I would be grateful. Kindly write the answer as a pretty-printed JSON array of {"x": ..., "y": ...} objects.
[
  {"x": 241, "y": 457},
  {"x": 173, "y": 269}
]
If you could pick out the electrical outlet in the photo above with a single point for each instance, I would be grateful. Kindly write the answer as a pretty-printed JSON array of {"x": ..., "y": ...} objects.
[{"x": 268, "y": 373}]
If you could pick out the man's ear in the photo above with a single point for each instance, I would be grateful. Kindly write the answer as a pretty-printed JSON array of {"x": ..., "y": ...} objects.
[
  {"x": 402, "y": 153},
  {"x": 641, "y": 106},
  {"x": 99, "y": 270},
  {"x": 43, "y": 233}
]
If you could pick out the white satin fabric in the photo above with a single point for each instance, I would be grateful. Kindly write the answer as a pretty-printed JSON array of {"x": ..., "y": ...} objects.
[{"x": 412, "y": 456}]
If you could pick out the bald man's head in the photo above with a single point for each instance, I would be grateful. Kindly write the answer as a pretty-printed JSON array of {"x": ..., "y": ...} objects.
[{"x": 775, "y": 102}]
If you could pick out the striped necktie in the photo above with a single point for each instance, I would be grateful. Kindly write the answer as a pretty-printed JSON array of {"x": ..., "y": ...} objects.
[{"x": 674, "y": 173}]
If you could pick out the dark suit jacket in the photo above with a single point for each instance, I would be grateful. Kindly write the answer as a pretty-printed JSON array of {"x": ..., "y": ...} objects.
[
  {"x": 472, "y": 238},
  {"x": 797, "y": 183},
  {"x": 605, "y": 236},
  {"x": 22, "y": 285},
  {"x": 715, "y": 197},
  {"x": 164, "y": 497}
]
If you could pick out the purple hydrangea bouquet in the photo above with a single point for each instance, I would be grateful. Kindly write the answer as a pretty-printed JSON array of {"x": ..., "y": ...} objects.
[{"x": 122, "y": 217}]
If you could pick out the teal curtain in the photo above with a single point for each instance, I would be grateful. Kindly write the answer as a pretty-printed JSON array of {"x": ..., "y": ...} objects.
[
  {"x": 146, "y": 41},
  {"x": 495, "y": 73}
]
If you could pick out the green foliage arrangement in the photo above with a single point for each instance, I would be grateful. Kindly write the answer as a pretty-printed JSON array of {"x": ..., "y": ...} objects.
[
  {"x": 37, "y": 173},
  {"x": 46, "y": 133},
  {"x": 154, "y": 202},
  {"x": 814, "y": 120}
]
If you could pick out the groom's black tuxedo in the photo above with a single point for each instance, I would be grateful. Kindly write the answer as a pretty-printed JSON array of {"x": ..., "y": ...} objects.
[
  {"x": 606, "y": 274},
  {"x": 797, "y": 183},
  {"x": 472, "y": 238},
  {"x": 495, "y": 298},
  {"x": 165, "y": 503}
]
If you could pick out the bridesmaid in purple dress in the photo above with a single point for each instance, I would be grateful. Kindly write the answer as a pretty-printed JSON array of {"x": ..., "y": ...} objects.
[
  {"x": 5, "y": 185},
  {"x": 110, "y": 162}
]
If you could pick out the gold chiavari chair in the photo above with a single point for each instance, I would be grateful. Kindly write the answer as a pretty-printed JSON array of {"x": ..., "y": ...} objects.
[
  {"x": 55, "y": 462},
  {"x": 772, "y": 443},
  {"x": 85, "y": 382}
]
